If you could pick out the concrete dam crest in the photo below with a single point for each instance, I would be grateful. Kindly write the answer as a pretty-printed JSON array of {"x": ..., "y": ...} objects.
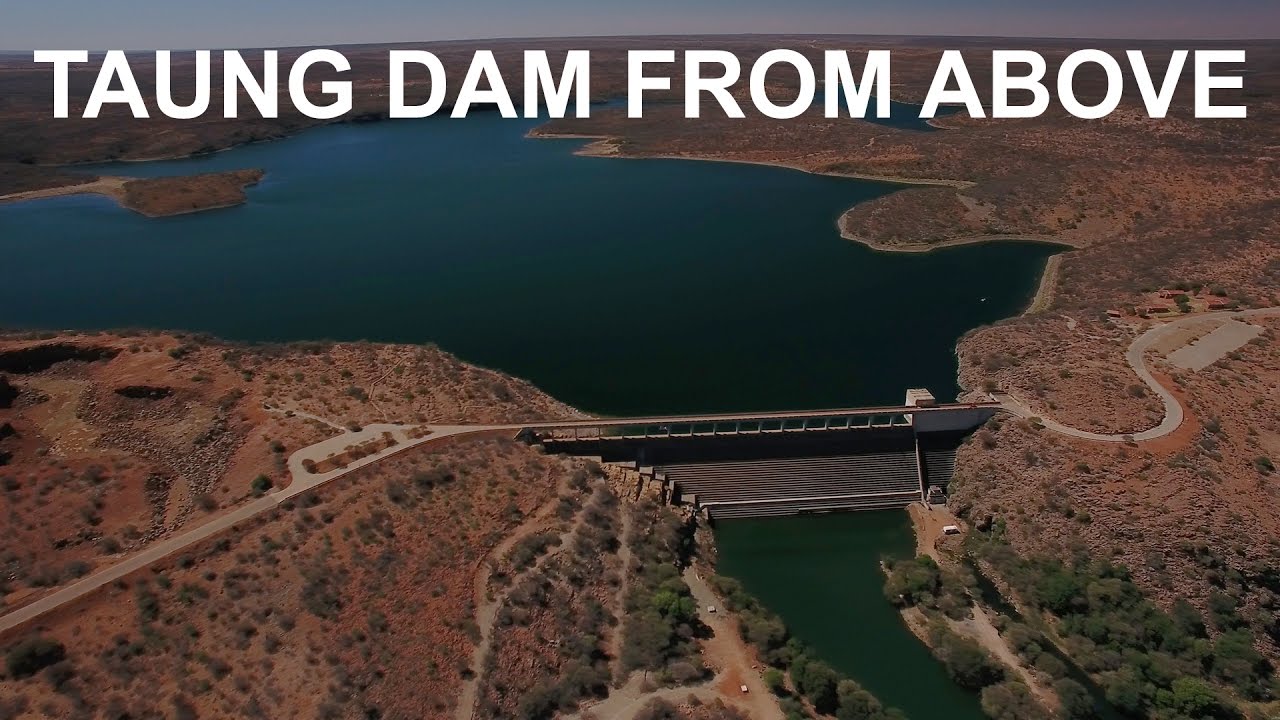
[{"x": 757, "y": 466}]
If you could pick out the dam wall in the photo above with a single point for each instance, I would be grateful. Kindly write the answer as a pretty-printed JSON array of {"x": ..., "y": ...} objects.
[
  {"x": 957, "y": 420},
  {"x": 792, "y": 470}
]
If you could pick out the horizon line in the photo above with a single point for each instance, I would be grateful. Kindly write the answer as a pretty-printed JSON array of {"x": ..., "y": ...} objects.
[{"x": 593, "y": 36}]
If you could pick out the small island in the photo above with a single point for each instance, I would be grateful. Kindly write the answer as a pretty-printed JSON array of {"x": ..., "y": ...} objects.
[{"x": 156, "y": 197}]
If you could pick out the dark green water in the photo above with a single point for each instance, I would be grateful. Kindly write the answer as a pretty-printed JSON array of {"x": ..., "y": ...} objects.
[
  {"x": 619, "y": 286},
  {"x": 822, "y": 574}
]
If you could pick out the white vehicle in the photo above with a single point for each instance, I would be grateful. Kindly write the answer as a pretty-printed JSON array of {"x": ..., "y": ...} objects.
[{"x": 951, "y": 530}]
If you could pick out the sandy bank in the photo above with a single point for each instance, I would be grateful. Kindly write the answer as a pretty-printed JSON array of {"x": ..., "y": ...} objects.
[
  {"x": 608, "y": 146},
  {"x": 955, "y": 242},
  {"x": 112, "y": 187}
]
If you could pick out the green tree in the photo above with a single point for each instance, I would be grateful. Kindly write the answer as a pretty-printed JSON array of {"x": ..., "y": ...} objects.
[
  {"x": 1059, "y": 591},
  {"x": 678, "y": 608},
  {"x": 1124, "y": 690},
  {"x": 1011, "y": 700},
  {"x": 647, "y": 637},
  {"x": 1077, "y": 704},
  {"x": 855, "y": 703},
  {"x": 1188, "y": 618},
  {"x": 913, "y": 582},
  {"x": 260, "y": 485},
  {"x": 817, "y": 682},
  {"x": 775, "y": 681},
  {"x": 1194, "y": 698}
]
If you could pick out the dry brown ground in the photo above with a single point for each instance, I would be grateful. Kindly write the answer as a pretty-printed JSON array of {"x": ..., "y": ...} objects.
[
  {"x": 554, "y": 622},
  {"x": 1148, "y": 204},
  {"x": 1186, "y": 513},
  {"x": 114, "y": 441},
  {"x": 353, "y": 598}
]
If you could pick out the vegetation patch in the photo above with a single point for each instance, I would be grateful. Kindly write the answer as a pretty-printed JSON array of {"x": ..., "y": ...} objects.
[
  {"x": 661, "y": 626},
  {"x": 1151, "y": 663}
]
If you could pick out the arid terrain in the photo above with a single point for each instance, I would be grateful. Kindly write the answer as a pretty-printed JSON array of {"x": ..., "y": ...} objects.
[
  {"x": 477, "y": 578},
  {"x": 370, "y": 595}
]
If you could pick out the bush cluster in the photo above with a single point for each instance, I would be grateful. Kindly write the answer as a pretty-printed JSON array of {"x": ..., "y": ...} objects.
[
  {"x": 921, "y": 582},
  {"x": 662, "y": 616},
  {"x": 1149, "y": 662}
]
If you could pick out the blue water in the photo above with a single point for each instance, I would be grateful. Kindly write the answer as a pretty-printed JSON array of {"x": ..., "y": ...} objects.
[{"x": 619, "y": 286}]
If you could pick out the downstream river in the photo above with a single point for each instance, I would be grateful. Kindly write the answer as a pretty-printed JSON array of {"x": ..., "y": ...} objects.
[
  {"x": 618, "y": 286},
  {"x": 822, "y": 574}
]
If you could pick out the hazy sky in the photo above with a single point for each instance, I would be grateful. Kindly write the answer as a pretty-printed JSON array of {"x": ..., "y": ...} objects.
[{"x": 152, "y": 24}]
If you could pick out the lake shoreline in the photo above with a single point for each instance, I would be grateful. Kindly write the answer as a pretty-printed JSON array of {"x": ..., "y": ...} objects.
[
  {"x": 606, "y": 146},
  {"x": 157, "y": 198}
]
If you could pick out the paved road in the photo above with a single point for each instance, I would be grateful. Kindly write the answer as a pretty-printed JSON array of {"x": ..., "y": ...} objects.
[
  {"x": 1136, "y": 357},
  {"x": 301, "y": 482}
]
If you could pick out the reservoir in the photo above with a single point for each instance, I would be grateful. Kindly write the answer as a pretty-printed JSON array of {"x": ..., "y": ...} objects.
[{"x": 618, "y": 286}]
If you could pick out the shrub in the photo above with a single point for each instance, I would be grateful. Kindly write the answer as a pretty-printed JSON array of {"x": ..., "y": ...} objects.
[
  {"x": 913, "y": 582},
  {"x": 1138, "y": 651},
  {"x": 1077, "y": 704},
  {"x": 966, "y": 662},
  {"x": 1011, "y": 700},
  {"x": 33, "y": 655},
  {"x": 260, "y": 485},
  {"x": 683, "y": 672},
  {"x": 817, "y": 682},
  {"x": 775, "y": 681},
  {"x": 1192, "y": 698}
]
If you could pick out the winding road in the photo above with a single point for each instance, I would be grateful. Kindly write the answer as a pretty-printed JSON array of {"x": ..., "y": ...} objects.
[
  {"x": 1136, "y": 357},
  {"x": 302, "y": 481}
]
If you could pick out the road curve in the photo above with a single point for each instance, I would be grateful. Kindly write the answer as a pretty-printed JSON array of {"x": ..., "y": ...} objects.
[{"x": 1136, "y": 357}]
